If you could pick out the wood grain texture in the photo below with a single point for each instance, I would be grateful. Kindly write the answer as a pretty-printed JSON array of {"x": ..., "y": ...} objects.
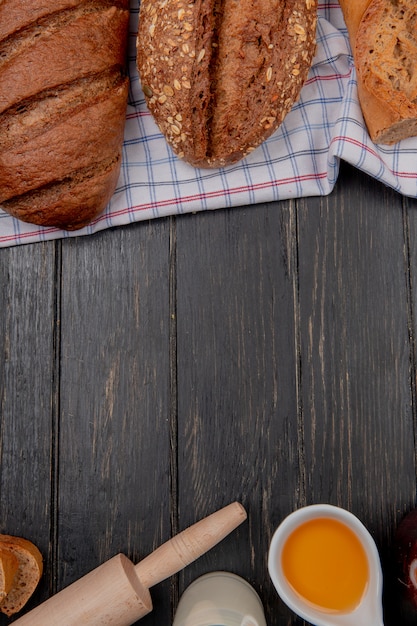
[
  {"x": 355, "y": 355},
  {"x": 334, "y": 352},
  {"x": 27, "y": 396},
  {"x": 152, "y": 374},
  {"x": 114, "y": 437},
  {"x": 237, "y": 380},
  {"x": 410, "y": 229}
]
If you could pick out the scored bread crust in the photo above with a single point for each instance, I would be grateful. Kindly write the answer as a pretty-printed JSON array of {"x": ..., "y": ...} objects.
[
  {"x": 63, "y": 98},
  {"x": 382, "y": 34},
  {"x": 16, "y": 14},
  {"x": 219, "y": 76},
  {"x": 71, "y": 203},
  {"x": 65, "y": 45},
  {"x": 43, "y": 154},
  {"x": 27, "y": 576}
]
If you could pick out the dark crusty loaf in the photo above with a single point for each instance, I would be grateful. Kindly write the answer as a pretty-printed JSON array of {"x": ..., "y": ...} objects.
[
  {"x": 219, "y": 76},
  {"x": 63, "y": 96},
  {"x": 384, "y": 45}
]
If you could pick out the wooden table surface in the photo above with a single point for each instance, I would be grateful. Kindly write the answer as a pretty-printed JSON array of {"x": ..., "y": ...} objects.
[{"x": 154, "y": 373}]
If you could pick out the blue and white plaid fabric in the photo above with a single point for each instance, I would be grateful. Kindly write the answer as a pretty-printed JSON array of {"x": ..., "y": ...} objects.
[{"x": 301, "y": 159}]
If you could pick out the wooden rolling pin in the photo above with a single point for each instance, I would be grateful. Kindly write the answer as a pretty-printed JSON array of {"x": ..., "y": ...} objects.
[{"x": 117, "y": 592}]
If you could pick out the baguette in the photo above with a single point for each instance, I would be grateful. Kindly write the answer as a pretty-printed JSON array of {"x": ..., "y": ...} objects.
[
  {"x": 219, "y": 76},
  {"x": 63, "y": 97},
  {"x": 384, "y": 46},
  {"x": 26, "y": 573}
]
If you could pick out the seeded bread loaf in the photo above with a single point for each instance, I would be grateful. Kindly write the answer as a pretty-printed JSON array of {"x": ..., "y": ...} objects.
[
  {"x": 63, "y": 97},
  {"x": 23, "y": 578},
  {"x": 384, "y": 45},
  {"x": 219, "y": 76}
]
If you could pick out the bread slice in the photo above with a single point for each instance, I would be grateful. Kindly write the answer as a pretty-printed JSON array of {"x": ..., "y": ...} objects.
[
  {"x": 28, "y": 572},
  {"x": 8, "y": 569},
  {"x": 384, "y": 44},
  {"x": 219, "y": 76}
]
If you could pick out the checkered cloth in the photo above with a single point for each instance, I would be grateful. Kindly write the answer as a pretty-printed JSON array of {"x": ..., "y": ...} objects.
[{"x": 301, "y": 159}]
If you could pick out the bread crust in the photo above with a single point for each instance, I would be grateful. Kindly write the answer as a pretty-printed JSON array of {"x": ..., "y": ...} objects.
[
  {"x": 385, "y": 55},
  {"x": 27, "y": 576},
  {"x": 17, "y": 14},
  {"x": 67, "y": 46},
  {"x": 40, "y": 158},
  {"x": 353, "y": 11},
  {"x": 219, "y": 76},
  {"x": 63, "y": 98},
  {"x": 72, "y": 203}
]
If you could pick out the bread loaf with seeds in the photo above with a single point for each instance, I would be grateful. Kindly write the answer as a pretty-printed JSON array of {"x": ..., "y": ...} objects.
[
  {"x": 63, "y": 97},
  {"x": 384, "y": 45},
  {"x": 219, "y": 76}
]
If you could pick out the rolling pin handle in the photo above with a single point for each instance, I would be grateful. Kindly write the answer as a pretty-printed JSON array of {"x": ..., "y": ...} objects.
[
  {"x": 189, "y": 545},
  {"x": 117, "y": 592}
]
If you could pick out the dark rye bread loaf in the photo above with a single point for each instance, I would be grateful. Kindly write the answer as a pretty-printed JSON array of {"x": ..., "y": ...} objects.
[
  {"x": 219, "y": 76},
  {"x": 63, "y": 96}
]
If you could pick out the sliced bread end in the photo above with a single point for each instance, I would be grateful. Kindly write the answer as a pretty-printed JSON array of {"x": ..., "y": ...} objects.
[{"x": 27, "y": 574}]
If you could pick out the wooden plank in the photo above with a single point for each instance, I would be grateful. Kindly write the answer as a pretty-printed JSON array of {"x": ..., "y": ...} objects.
[
  {"x": 338, "y": 345},
  {"x": 410, "y": 228},
  {"x": 355, "y": 358},
  {"x": 27, "y": 397},
  {"x": 114, "y": 433},
  {"x": 263, "y": 354},
  {"x": 237, "y": 378}
]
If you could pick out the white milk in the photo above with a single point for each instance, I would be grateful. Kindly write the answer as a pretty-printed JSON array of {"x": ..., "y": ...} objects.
[{"x": 220, "y": 599}]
